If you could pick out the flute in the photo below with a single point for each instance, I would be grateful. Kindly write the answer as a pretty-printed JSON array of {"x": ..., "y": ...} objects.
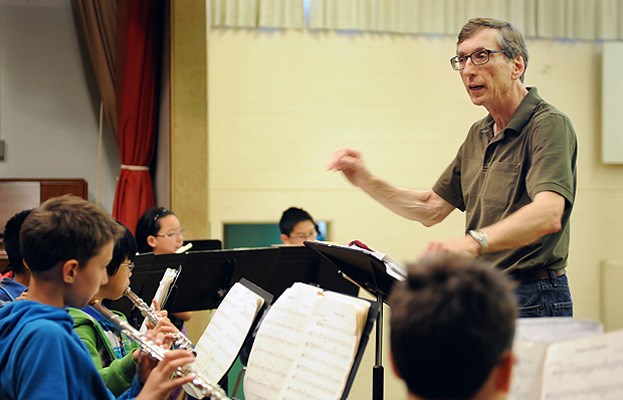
[
  {"x": 180, "y": 340},
  {"x": 184, "y": 248},
  {"x": 208, "y": 390}
]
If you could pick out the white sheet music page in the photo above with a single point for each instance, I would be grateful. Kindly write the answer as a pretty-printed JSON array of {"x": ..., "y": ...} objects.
[
  {"x": 164, "y": 288},
  {"x": 277, "y": 342},
  {"x": 532, "y": 337},
  {"x": 589, "y": 368},
  {"x": 306, "y": 346},
  {"x": 555, "y": 329},
  {"x": 224, "y": 336},
  {"x": 527, "y": 375}
]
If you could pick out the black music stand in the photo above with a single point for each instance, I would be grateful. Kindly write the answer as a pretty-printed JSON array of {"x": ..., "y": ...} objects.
[
  {"x": 204, "y": 244},
  {"x": 301, "y": 264},
  {"x": 370, "y": 273},
  {"x": 204, "y": 280}
]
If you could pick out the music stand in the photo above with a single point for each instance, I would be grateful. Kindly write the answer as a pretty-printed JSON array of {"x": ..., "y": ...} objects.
[
  {"x": 204, "y": 280},
  {"x": 369, "y": 273},
  {"x": 301, "y": 264},
  {"x": 204, "y": 244}
]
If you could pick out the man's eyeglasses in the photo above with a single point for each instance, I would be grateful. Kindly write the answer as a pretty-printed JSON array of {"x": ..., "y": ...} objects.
[
  {"x": 172, "y": 234},
  {"x": 478, "y": 57},
  {"x": 130, "y": 265}
]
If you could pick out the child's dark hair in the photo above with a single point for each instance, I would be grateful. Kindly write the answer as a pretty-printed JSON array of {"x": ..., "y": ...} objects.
[
  {"x": 451, "y": 321},
  {"x": 149, "y": 224},
  {"x": 11, "y": 242},
  {"x": 65, "y": 228},
  {"x": 125, "y": 247},
  {"x": 291, "y": 217}
]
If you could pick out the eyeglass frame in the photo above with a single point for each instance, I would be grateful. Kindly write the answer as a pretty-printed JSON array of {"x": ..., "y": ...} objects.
[
  {"x": 172, "y": 234},
  {"x": 130, "y": 265},
  {"x": 307, "y": 236},
  {"x": 488, "y": 52}
]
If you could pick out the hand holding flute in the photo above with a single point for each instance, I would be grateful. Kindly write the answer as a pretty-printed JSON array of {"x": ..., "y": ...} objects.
[{"x": 179, "y": 339}]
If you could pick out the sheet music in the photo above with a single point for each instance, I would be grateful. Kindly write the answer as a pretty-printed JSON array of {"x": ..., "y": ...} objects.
[
  {"x": 586, "y": 368},
  {"x": 527, "y": 375},
  {"x": 164, "y": 288},
  {"x": 532, "y": 337},
  {"x": 224, "y": 336},
  {"x": 316, "y": 335},
  {"x": 555, "y": 329}
]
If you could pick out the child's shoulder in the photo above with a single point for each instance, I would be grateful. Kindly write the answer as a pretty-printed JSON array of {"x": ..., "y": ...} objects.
[{"x": 39, "y": 322}]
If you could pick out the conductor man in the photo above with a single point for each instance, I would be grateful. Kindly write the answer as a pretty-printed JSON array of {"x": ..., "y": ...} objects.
[{"x": 514, "y": 176}]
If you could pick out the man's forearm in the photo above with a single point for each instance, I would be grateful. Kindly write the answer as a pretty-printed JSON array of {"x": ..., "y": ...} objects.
[
  {"x": 424, "y": 206},
  {"x": 539, "y": 218}
]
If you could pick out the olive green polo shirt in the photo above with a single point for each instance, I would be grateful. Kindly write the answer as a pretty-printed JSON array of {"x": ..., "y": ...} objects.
[{"x": 492, "y": 177}]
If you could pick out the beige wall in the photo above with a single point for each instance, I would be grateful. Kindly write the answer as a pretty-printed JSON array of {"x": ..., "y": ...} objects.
[{"x": 280, "y": 103}]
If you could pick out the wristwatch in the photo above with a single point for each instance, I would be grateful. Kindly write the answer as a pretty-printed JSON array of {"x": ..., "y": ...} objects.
[{"x": 480, "y": 237}]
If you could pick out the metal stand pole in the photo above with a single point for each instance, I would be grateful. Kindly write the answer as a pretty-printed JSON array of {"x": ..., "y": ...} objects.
[{"x": 377, "y": 370}]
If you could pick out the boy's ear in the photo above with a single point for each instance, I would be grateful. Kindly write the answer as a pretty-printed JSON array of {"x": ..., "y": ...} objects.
[
  {"x": 70, "y": 270},
  {"x": 394, "y": 368},
  {"x": 284, "y": 239},
  {"x": 505, "y": 371}
]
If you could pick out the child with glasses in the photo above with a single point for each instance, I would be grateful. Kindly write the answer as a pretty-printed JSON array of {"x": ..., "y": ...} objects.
[
  {"x": 297, "y": 226},
  {"x": 160, "y": 231},
  {"x": 114, "y": 355}
]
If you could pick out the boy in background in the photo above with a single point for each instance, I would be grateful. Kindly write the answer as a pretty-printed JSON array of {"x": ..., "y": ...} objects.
[
  {"x": 297, "y": 226},
  {"x": 11, "y": 288}
]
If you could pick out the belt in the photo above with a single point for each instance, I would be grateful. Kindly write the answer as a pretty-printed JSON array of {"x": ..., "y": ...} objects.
[{"x": 538, "y": 274}]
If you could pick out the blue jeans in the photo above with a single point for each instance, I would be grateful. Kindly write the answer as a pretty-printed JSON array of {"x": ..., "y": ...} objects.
[{"x": 545, "y": 298}]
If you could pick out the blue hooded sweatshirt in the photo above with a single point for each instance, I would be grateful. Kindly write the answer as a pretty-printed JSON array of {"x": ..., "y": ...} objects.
[
  {"x": 10, "y": 289},
  {"x": 42, "y": 358}
]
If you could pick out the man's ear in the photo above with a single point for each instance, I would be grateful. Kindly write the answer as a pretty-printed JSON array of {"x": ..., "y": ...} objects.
[
  {"x": 505, "y": 372},
  {"x": 284, "y": 239},
  {"x": 70, "y": 270},
  {"x": 519, "y": 67}
]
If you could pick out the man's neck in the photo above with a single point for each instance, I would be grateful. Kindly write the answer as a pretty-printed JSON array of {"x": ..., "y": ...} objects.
[{"x": 503, "y": 111}]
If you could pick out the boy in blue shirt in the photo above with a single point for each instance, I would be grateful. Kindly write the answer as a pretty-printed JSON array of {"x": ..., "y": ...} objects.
[
  {"x": 12, "y": 288},
  {"x": 67, "y": 243}
]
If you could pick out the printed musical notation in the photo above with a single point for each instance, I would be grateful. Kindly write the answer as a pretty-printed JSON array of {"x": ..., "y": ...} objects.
[
  {"x": 224, "y": 336},
  {"x": 588, "y": 367},
  {"x": 306, "y": 346}
]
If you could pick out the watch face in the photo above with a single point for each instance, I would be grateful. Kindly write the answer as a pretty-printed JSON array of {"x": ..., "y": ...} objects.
[{"x": 480, "y": 237}]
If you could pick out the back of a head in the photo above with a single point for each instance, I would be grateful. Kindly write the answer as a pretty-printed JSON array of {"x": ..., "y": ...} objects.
[
  {"x": 65, "y": 228},
  {"x": 451, "y": 321},
  {"x": 291, "y": 217},
  {"x": 12, "y": 244},
  {"x": 148, "y": 225}
]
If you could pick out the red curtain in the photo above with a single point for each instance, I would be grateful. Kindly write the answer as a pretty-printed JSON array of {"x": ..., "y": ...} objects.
[{"x": 138, "y": 44}]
